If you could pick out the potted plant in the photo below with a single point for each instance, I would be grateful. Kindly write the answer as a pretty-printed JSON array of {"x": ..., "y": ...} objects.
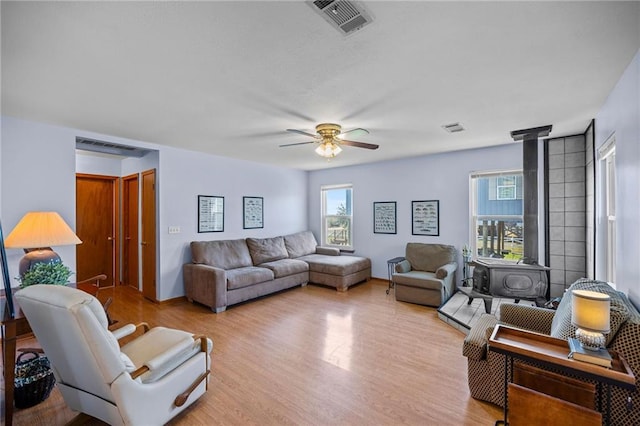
[{"x": 53, "y": 272}]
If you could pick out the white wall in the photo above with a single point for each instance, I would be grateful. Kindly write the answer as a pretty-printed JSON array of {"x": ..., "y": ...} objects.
[
  {"x": 620, "y": 114},
  {"x": 93, "y": 164},
  {"x": 184, "y": 175},
  {"x": 443, "y": 177},
  {"x": 38, "y": 173}
]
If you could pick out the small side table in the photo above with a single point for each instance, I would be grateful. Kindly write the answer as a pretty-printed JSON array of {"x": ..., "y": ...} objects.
[
  {"x": 553, "y": 354},
  {"x": 391, "y": 264}
]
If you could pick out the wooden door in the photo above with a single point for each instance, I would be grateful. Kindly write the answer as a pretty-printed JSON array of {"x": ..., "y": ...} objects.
[
  {"x": 148, "y": 243},
  {"x": 130, "y": 239},
  {"x": 96, "y": 226}
]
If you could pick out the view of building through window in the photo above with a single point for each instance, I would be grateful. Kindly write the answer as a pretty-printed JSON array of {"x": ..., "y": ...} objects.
[
  {"x": 497, "y": 215},
  {"x": 337, "y": 216}
]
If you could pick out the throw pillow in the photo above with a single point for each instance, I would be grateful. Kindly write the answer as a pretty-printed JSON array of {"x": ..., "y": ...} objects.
[
  {"x": 266, "y": 249},
  {"x": 300, "y": 244},
  {"x": 403, "y": 267}
]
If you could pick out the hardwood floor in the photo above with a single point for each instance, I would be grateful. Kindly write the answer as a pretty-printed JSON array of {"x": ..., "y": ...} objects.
[{"x": 312, "y": 356}]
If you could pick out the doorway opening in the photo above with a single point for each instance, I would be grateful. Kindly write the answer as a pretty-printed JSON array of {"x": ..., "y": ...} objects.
[{"x": 112, "y": 215}]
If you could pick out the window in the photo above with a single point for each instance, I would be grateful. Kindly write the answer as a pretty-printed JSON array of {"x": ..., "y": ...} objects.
[
  {"x": 608, "y": 159},
  {"x": 506, "y": 188},
  {"x": 497, "y": 215},
  {"x": 337, "y": 216}
]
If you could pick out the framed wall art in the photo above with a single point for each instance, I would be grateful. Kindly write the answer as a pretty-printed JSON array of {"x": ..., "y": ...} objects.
[
  {"x": 384, "y": 217},
  {"x": 253, "y": 212},
  {"x": 210, "y": 213},
  {"x": 425, "y": 217}
]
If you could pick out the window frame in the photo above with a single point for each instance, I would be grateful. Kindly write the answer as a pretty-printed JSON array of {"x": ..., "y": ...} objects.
[
  {"x": 607, "y": 155},
  {"x": 474, "y": 217},
  {"x": 324, "y": 234},
  {"x": 513, "y": 186}
]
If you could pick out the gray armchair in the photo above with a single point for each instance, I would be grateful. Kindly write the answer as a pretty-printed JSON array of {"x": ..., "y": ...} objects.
[{"x": 428, "y": 274}]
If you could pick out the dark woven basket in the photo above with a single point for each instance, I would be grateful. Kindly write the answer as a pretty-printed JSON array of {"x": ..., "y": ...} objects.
[{"x": 34, "y": 380}]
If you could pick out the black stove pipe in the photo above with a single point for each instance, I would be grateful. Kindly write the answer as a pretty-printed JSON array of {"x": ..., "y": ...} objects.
[{"x": 529, "y": 138}]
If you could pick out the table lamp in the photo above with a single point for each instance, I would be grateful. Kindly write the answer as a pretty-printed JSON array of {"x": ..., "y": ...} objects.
[
  {"x": 36, "y": 233},
  {"x": 590, "y": 314}
]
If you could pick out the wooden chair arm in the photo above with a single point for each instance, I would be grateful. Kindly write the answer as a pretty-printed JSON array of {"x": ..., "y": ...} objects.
[
  {"x": 182, "y": 398},
  {"x": 91, "y": 285},
  {"x": 97, "y": 278},
  {"x": 129, "y": 330},
  {"x": 37, "y": 350},
  {"x": 139, "y": 372},
  {"x": 203, "y": 342}
]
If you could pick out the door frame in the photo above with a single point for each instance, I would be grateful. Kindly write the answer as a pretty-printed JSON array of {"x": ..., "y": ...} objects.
[
  {"x": 115, "y": 227},
  {"x": 147, "y": 241},
  {"x": 135, "y": 235}
]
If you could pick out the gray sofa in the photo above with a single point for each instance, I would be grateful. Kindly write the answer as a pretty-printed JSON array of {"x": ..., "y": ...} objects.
[
  {"x": 227, "y": 272},
  {"x": 428, "y": 274}
]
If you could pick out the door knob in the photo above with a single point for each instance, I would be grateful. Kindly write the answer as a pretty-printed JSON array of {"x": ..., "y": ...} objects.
[
  {"x": 144, "y": 243},
  {"x": 110, "y": 238}
]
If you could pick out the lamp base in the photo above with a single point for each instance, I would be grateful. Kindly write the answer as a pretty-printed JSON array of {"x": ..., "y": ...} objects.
[
  {"x": 590, "y": 340},
  {"x": 34, "y": 256}
]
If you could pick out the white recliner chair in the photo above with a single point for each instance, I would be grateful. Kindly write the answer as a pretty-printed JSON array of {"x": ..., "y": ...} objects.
[{"x": 145, "y": 382}]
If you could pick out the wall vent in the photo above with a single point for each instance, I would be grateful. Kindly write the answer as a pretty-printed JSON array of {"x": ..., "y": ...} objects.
[
  {"x": 453, "y": 127},
  {"x": 344, "y": 15},
  {"x": 94, "y": 145}
]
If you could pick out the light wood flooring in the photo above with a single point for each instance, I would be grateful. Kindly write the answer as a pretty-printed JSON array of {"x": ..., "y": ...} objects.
[{"x": 311, "y": 356}]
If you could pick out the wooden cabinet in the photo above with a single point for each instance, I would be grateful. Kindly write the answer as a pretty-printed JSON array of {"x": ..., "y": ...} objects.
[
  {"x": 557, "y": 385},
  {"x": 529, "y": 407}
]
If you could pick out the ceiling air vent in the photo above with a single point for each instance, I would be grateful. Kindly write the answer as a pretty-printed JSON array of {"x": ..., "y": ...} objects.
[
  {"x": 93, "y": 145},
  {"x": 346, "y": 16},
  {"x": 453, "y": 127}
]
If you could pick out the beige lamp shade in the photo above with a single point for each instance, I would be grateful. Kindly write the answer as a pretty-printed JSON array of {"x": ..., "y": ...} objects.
[
  {"x": 41, "y": 229},
  {"x": 590, "y": 310}
]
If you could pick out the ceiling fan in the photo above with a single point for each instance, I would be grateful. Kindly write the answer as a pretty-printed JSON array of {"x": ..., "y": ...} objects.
[{"x": 330, "y": 136}]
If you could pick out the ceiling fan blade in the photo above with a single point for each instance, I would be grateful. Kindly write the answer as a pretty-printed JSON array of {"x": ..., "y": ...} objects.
[
  {"x": 299, "y": 143},
  {"x": 358, "y": 144},
  {"x": 303, "y": 133},
  {"x": 354, "y": 133}
]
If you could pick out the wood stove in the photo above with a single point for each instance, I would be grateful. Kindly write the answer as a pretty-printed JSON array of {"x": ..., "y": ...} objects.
[{"x": 514, "y": 280}]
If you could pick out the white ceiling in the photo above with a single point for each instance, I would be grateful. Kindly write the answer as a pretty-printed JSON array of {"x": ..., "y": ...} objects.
[{"x": 229, "y": 77}]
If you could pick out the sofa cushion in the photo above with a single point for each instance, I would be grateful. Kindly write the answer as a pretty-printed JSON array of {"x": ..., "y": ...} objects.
[
  {"x": 300, "y": 244},
  {"x": 561, "y": 326},
  {"x": 420, "y": 279},
  {"x": 286, "y": 267},
  {"x": 336, "y": 265},
  {"x": 249, "y": 275},
  {"x": 329, "y": 251},
  {"x": 224, "y": 254},
  {"x": 267, "y": 249},
  {"x": 429, "y": 257}
]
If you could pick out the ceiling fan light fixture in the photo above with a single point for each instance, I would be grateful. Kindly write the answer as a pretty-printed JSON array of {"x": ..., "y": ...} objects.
[{"x": 328, "y": 149}]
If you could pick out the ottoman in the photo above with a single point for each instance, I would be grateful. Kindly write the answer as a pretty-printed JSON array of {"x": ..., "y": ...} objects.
[{"x": 339, "y": 272}]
